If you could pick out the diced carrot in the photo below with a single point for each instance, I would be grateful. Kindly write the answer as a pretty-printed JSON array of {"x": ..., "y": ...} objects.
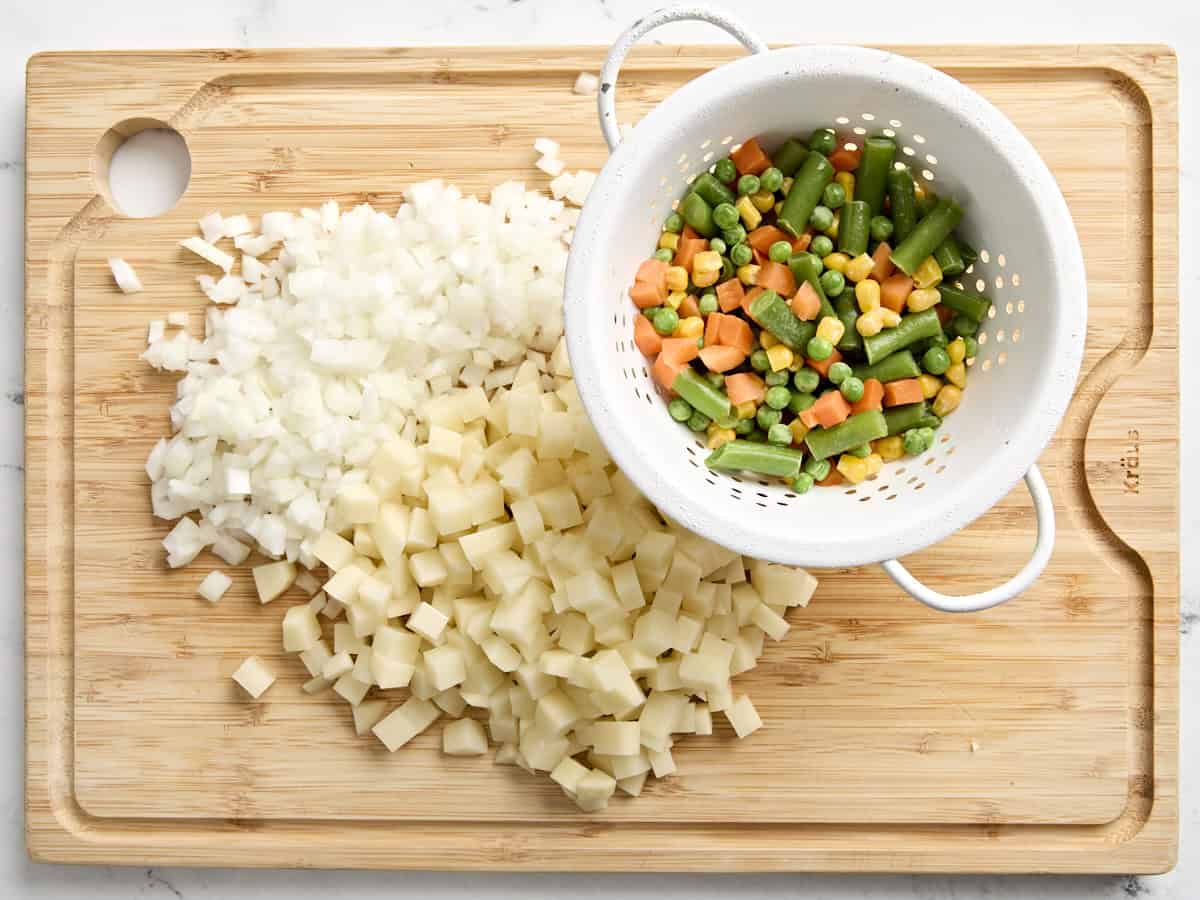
[
  {"x": 644, "y": 294},
  {"x": 688, "y": 307},
  {"x": 652, "y": 271},
  {"x": 833, "y": 478},
  {"x": 807, "y": 302},
  {"x": 750, "y": 296},
  {"x": 883, "y": 262},
  {"x": 687, "y": 250},
  {"x": 647, "y": 339},
  {"x": 750, "y": 159},
  {"x": 764, "y": 236},
  {"x": 894, "y": 291},
  {"x": 777, "y": 277},
  {"x": 759, "y": 256},
  {"x": 688, "y": 232},
  {"x": 744, "y": 386},
  {"x": 735, "y": 332},
  {"x": 712, "y": 329},
  {"x": 822, "y": 365},
  {"x": 944, "y": 313},
  {"x": 830, "y": 409},
  {"x": 665, "y": 370},
  {"x": 872, "y": 397},
  {"x": 730, "y": 294},
  {"x": 721, "y": 359},
  {"x": 680, "y": 350},
  {"x": 906, "y": 390},
  {"x": 844, "y": 160},
  {"x": 800, "y": 244}
]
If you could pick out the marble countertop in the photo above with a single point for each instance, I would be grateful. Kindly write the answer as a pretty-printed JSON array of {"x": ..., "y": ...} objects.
[{"x": 74, "y": 24}]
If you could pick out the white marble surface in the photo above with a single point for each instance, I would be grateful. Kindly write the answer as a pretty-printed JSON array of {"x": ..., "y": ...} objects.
[{"x": 32, "y": 25}]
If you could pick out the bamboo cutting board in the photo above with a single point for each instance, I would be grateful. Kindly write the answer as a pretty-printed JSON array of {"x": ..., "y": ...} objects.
[{"x": 1039, "y": 736}]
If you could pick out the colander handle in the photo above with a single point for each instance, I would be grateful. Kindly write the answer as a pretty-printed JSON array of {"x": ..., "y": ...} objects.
[
  {"x": 1044, "y": 508},
  {"x": 607, "y": 99}
]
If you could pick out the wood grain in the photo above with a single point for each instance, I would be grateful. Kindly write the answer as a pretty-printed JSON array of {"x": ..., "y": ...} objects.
[{"x": 138, "y": 747}]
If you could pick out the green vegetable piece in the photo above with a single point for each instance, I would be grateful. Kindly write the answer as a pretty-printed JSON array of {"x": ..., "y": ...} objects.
[
  {"x": 748, "y": 456},
  {"x": 964, "y": 326},
  {"x": 650, "y": 312},
  {"x": 935, "y": 361},
  {"x": 703, "y": 397},
  {"x": 802, "y": 483},
  {"x": 972, "y": 346},
  {"x": 807, "y": 187},
  {"x": 847, "y": 310},
  {"x": 862, "y": 451},
  {"x": 895, "y": 367},
  {"x": 698, "y": 214},
  {"x": 821, "y": 218},
  {"x": 713, "y": 192},
  {"x": 779, "y": 434},
  {"x": 773, "y": 313},
  {"x": 757, "y": 435},
  {"x": 744, "y": 427},
  {"x": 821, "y": 245},
  {"x": 910, "y": 415},
  {"x": 749, "y": 184},
  {"x": 854, "y": 228},
  {"x": 969, "y": 253},
  {"x": 926, "y": 204},
  {"x": 717, "y": 380},
  {"x": 735, "y": 234},
  {"x": 839, "y": 372},
  {"x": 664, "y": 255},
  {"x": 918, "y": 440},
  {"x": 912, "y": 328},
  {"x": 771, "y": 179},
  {"x": 925, "y": 238},
  {"x": 725, "y": 170},
  {"x": 759, "y": 361},
  {"x": 881, "y": 228},
  {"x": 666, "y": 321},
  {"x": 741, "y": 255},
  {"x": 774, "y": 379},
  {"x": 833, "y": 283},
  {"x": 818, "y": 348},
  {"x": 698, "y": 422},
  {"x": 818, "y": 469},
  {"x": 852, "y": 389},
  {"x": 778, "y": 397},
  {"x": 679, "y": 409},
  {"x": 807, "y": 267},
  {"x": 870, "y": 180},
  {"x": 823, "y": 140},
  {"x": 708, "y": 304},
  {"x": 902, "y": 194},
  {"x": 717, "y": 245},
  {"x": 800, "y": 402},
  {"x": 974, "y": 306},
  {"x": 673, "y": 223},
  {"x": 806, "y": 380},
  {"x": 949, "y": 258},
  {"x": 834, "y": 195},
  {"x": 725, "y": 215},
  {"x": 788, "y": 158},
  {"x": 780, "y": 252},
  {"x": 858, "y": 429},
  {"x": 766, "y": 417}
]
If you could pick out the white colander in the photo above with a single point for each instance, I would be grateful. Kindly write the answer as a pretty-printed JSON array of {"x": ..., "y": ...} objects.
[{"x": 1030, "y": 263}]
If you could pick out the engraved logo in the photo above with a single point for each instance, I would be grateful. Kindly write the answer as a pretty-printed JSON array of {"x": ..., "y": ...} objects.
[{"x": 1131, "y": 463}]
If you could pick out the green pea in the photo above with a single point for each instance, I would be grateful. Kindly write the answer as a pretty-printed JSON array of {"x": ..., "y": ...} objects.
[
  {"x": 728, "y": 421},
  {"x": 749, "y": 184},
  {"x": 757, "y": 435},
  {"x": 717, "y": 380},
  {"x": 852, "y": 389},
  {"x": 964, "y": 326},
  {"x": 779, "y": 434},
  {"x": 972, "y": 346},
  {"x": 881, "y": 228},
  {"x": 667, "y": 321},
  {"x": 744, "y": 427},
  {"x": 734, "y": 234},
  {"x": 806, "y": 380},
  {"x": 776, "y": 379},
  {"x": 821, "y": 218},
  {"x": 917, "y": 440},
  {"x": 680, "y": 409},
  {"x": 818, "y": 348},
  {"x": 834, "y": 195},
  {"x": 673, "y": 223},
  {"x": 821, "y": 246},
  {"x": 935, "y": 361},
  {"x": 823, "y": 140},
  {"x": 726, "y": 268},
  {"x": 862, "y": 451},
  {"x": 725, "y": 215},
  {"x": 939, "y": 340},
  {"x": 778, "y": 397},
  {"x": 725, "y": 171},
  {"x": 833, "y": 282},
  {"x": 700, "y": 343},
  {"x": 771, "y": 180},
  {"x": 741, "y": 255},
  {"x": 716, "y": 245},
  {"x": 800, "y": 402},
  {"x": 759, "y": 361},
  {"x": 650, "y": 312},
  {"x": 839, "y": 372},
  {"x": 708, "y": 304},
  {"x": 780, "y": 252},
  {"x": 802, "y": 483},
  {"x": 698, "y": 422},
  {"x": 817, "y": 468},
  {"x": 664, "y": 255},
  {"x": 766, "y": 417}
]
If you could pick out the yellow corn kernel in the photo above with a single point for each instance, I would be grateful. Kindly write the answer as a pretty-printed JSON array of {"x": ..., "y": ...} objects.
[
  {"x": 763, "y": 201},
  {"x": 675, "y": 298},
  {"x": 719, "y": 436},
  {"x": 853, "y": 469},
  {"x": 957, "y": 350},
  {"x": 869, "y": 324},
  {"x": 706, "y": 279},
  {"x": 748, "y": 275},
  {"x": 787, "y": 185},
  {"x": 919, "y": 191},
  {"x": 799, "y": 430},
  {"x": 930, "y": 385},
  {"x": 745, "y": 410},
  {"x": 706, "y": 268},
  {"x": 867, "y": 294},
  {"x": 922, "y": 299},
  {"x": 859, "y": 268},
  {"x": 690, "y": 327},
  {"x": 832, "y": 231},
  {"x": 768, "y": 340},
  {"x": 846, "y": 180},
  {"x": 778, "y": 207},
  {"x": 947, "y": 400},
  {"x": 889, "y": 448},
  {"x": 780, "y": 356},
  {"x": 956, "y": 374},
  {"x": 668, "y": 241},
  {"x": 889, "y": 317},
  {"x": 677, "y": 278},
  {"x": 928, "y": 274},
  {"x": 832, "y": 329},
  {"x": 751, "y": 217},
  {"x": 874, "y": 464},
  {"x": 836, "y": 261}
]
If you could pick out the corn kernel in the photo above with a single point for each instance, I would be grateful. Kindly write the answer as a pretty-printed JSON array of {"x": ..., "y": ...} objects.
[
  {"x": 763, "y": 201},
  {"x": 690, "y": 327},
  {"x": 677, "y": 278},
  {"x": 867, "y": 294},
  {"x": 751, "y": 217},
  {"x": 719, "y": 436},
  {"x": 748, "y": 275},
  {"x": 799, "y": 430},
  {"x": 874, "y": 464},
  {"x": 956, "y": 374},
  {"x": 778, "y": 207},
  {"x": 859, "y": 268},
  {"x": 957, "y": 350},
  {"x": 745, "y": 410},
  {"x": 706, "y": 279},
  {"x": 836, "y": 261},
  {"x": 668, "y": 240},
  {"x": 675, "y": 298},
  {"x": 930, "y": 385},
  {"x": 923, "y": 299},
  {"x": 780, "y": 356},
  {"x": 853, "y": 469},
  {"x": 928, "y": 274},
  {"x": 706, "y": 261},
  {"x": 846, "y": 180},
  {"x": 768, "y": 340},
  {"x": 889, "y": 448},
  {"x": 832, "y": 329},
  {"x": 832, "y": 231},
  {"x": 919, "y": 191},
  {"x": 889, "y": 317},
  {"x": 947, "y": 400},
  {"x": 787, "y": 185},
  {"x": 869, "y": 324}
]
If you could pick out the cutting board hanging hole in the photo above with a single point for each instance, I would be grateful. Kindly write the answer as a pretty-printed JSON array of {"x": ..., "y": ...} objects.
[{"x": 142, "y": 167}]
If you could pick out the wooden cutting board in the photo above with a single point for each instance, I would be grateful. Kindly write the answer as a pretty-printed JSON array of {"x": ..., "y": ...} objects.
[{"x": 1039, "y": 736}]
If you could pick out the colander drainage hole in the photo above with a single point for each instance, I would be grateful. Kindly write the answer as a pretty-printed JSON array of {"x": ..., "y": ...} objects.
[
  {"x": 901, "y": 470},
  {"x": 919, "y": 486},
  {"x": 939, "y": 470},
  {"x": 890, "y": 497},
  {"x": 863, "y": 499}
]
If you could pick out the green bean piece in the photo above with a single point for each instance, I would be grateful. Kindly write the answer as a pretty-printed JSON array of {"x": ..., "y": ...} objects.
[
  {"x": 925, "y": 238},
  {"x": 821, "y": 245},
  {"x": 927, "y": 203},
  {"x": 806, "y": 380},
  {"x": 766, "y": 417},
  {"x": 973, "y": 306},
  {"x": 771, "y": 311},
  {"x": 780, "y": 252},
  {"x": 881, "y": 228},
  {"x": 910, "y": 415},
  {"x": 802, "y": 483},
  {"x": 788, "y": 158},
  {"x": 802, "y": 199},
  {"x": 680, "y": 409},
  {"x": 834, "y": 195},
  {"x": 725, "y": 170},
  {"x": 823, "y": 141},
  {"x": 912, "y": 328},
  {"x": 703, "y": 397},
  {"x": 894, "y": 368},
  {"x": 817, "y": 468},
  {"x": 800, "y": 402},
  {"x": 968, "y": 253},
  {"x": 776, "y": 378},
  {"x": 779, "y": 434},
  {"x": 853, "y": 389},
  {"x": 847, "y": 311},
  {"x": 870, "y": 180},
  {"x": 771, "y": 179},
  {"x": 749, "y": 184},
  {"x": 855, "y": 228},
  {"x": 699, "y": 421},
  {"x": 697, "y": 213},
  {"x": 673, "y": 223},
  {"x": 807, "y": 267},
  {"x": 662, "y": 254},
  {"x": 964, "y": 326},
  {"x": 902, "y": 193},
  {"x": 859, "y": 429},
  {"x": 936, "y": 361},
  {"x": 749, "y": 456},
  {"x": 711, "y": 190},
  {"x": 949, "y": 257}
]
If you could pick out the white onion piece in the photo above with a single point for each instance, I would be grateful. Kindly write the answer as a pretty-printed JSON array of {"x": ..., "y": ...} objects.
[{"x": 124, "y": 275}]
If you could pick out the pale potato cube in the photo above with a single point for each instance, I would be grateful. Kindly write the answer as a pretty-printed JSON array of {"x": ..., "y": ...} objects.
[
  {"x": 366, "y": 714},
  {"x": 528, "y": 519},
  {"x": 556, "y": 713},
  {"x": 390, "y": 673},
  {"x": 517, "y": 615},
  {"x": 501, "y": 654},
  {"x": 487, "y": 501},
  {"x": 449, "y": 508},
  {"x": 773, "y": 624},
  {"x": 422, "y": 535},
  {"x": 722, "y": 600},
  {"x": 345, "y": 640},
  {"x": 559, "y": 507},
  {"x": 743, "y": 717},
  {"x": 593, "y": 595},
  {"x": 363, "y": 620},
  {"x": 568, "y": 773},
  {"x": 315, "y": 657},
  {"x": 687, "y": 719},
  {"x": 459, "y": 572},
  {"x": 666, "y": 676},
  {"x": 744, "y": 658},
  {"x": 593, "y": 790},
  {"x": 308, "y": 583},
  {"x": 721, "y": 698},
  {"x": 638, "y": 660},
  {"x": 687, "y": 634},
  {"x": 389, "y": 532},
  {"x": 575, "y": 634},
  {"x": 633, "y": 785},
  {"x": 701, "y": 602},
  {"x": 315, "y": 685},
  {"x": 745, "y": 600},
  {"x": 464, "y": 738},
  {"x": 659, "y": 714},
  {"x": 654, "y": 631},
  {"x": 616, "y": 738},
  {"x": 214, "y": 586},
  {"x": 478, "y": 546},
  {"x": 782, "y": 585},
  {"x": 398, "y": 467},
  {"x": 428, "y": 568},
  {"x": 351, "y": 689},
  {"x": 629, "y": 590},
  {"x": 357, "y": 503},
  {"x": 444, "y": 445},
  {"x": 272, "y": 579},
  {"x": 300, "y": 629},
  {"x": 718, "y": 647},
  {"x": 343, "y": 586},
  {"x": 336, "y": 666},
  {"x": 703, "y": 671},
  {"x": 683, "y": 576},
  {"x": 396, "y": 643},
  {"x": 523, "y": 410},
  {"x": 556, "y": 435},
  {"x": 733, "y": 573},
  {"x": 703, "y": 722},
  {"x": 403, "y": 724},
  {"x": 373, "y": 596},
  {"x": 662, "y": 763},
  {"x": 605, "y": 531},
  {"x": 667, "y": 600},
  {"x": 451, "y": 701},
  {"x": 445, "y": 667},
  {"x": 611, "y": 631},
  {"x": 506, "y": 754},
  {"x": 428, "y": 622},
  {"x": 254, "y": 677}
]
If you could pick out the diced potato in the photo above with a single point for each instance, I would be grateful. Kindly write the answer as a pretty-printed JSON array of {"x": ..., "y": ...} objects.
[
  {"x": 422, "y": 535},
  {"x": 743, "y": 717},
  {"x": 336, "y": 666},
  {"x": 351, "y": 689},
  {"x": 272, "y": 579},
  {"x": 773, "y": 624},
  {"x": 357, "y": 503},
  {"x": 662, "y": 763},
  {"x": 616, "y": 738},
  {"x": 444, "y": 445},
  {"x": 428, "y": 623},
  {"x": 502, "y": 654},
  {"x": 254, "y": 677},
  {"x": 683, "y": 576},
  {"x": 345, "y": 640},
  {"x": 568, "y": 773},
  {"x": 301, "y": 630},
  {"x": 315, "y": 657},
  {"x": 333, "y": 550},
  {"x": 528, "y": 519},
  {"x": 446, "y": 667},
  {"x": 633, "y": 785},
  {"x": 428, "y": 568},
  {"x": 687, "y": 633},
  {"x": 667, "y": 600},
  {"x": 782, "y": 585},
  {"x": 464, "y": 738},
  {"x": 654, "y": 631},
  {"x": 703, "y": 671},
  {"x": 396, "y": 643},
  {"x": 390, "y": 673},
  {"x": 556, "y": 714},
  {"x": 403, "y": 724},
  {"x": 364, "y": 543},
  {"x": 594, "y": 790},
  {"x": 366, "y": 714},
  {"x": 343, "y": 586},
  {"x": 482, "y": 543},
  {"x": 214, "y": 586}
]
